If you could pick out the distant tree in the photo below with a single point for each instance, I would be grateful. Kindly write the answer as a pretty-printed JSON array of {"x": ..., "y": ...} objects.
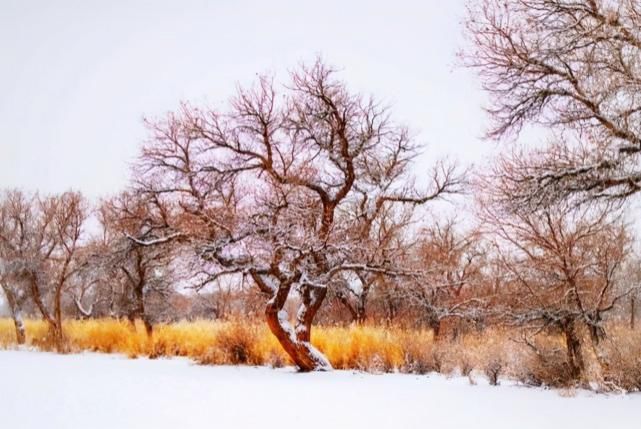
[
  {"x": 561, "y": 269},
  {"x": 21, "y": 238},
  {"x": 573, "y": 67},
  {"x": 137, "y": 271},
  {"x": 280, "y": 190},
  {"x": 67, "y": 213},
  {"x": 39, "y": 243},
  {"x": 382, "y": 240},
  {"x": 452, "y": 260}
]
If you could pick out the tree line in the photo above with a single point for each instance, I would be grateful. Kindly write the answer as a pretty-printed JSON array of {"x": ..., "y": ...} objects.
[{"x": 297, "y": 202}]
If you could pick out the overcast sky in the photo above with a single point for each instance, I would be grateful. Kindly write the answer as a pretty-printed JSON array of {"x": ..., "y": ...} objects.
[{"x": 78, "y": 76}]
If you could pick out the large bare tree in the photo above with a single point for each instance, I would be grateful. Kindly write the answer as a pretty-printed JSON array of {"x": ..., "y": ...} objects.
[
  {"x": 573, "y": 67},
  {"x": 561, "y": 268},
  {"x": 282, "y": 189}
]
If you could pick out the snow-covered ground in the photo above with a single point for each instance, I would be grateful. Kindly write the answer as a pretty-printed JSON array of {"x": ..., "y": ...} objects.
[{"x": 105, "y": 391}]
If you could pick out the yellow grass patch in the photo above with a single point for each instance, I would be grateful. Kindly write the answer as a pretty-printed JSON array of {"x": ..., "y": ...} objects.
[{"x": 362, "y": 347}]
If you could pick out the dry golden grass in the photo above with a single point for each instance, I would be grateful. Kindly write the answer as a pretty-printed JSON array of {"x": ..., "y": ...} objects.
[
  {"x": 362, "y": 347},
  {"x": 494, "y": 351}
]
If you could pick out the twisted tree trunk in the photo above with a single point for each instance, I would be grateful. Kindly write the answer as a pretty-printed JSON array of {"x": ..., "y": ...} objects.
[{"x": 296, "y": 343}]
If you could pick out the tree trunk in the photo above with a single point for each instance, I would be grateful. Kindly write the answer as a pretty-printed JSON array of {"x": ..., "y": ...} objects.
[
  {"x": 633, "y": 312},
  {"x": 55, "y": 323},
  {"x": 391, "y": 309},
  {"x": 361, "y": 304},
  {"x": 358, "y": 310},
  {"x": 434, "y": 322},
  {"x": 19, "y": 325},
  {"x": 149, "y": 328},
  {"x": 312, "y": 298},
  {"x": 16, "y": 314},
  {"x": 139, "y": 311},
  {"x": 342, "y": 298},
  {"x": 361, "y": 315},
  {"x": 361, "y": 307},
  {"x": 574, "y": 350},
  {"x": 58, "y": 335},
  {"x": 296, "y": 343}
]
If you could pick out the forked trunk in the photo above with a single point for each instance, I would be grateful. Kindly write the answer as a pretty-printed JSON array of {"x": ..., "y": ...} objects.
[
  {"x": 296, "y": 343},
  {"x": 57, "y": 335},
  {"x": 361, "y": 312}
]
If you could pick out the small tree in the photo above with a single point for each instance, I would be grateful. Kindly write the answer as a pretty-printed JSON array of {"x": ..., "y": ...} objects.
[
  {"x": 39, "y": 242},
  {"x": 452, "y": 261},
  {"x": 280, "y": 190},
  {"x": 16, "y": 245}
]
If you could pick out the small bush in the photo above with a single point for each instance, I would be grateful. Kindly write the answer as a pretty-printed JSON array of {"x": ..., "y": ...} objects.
[
  {"x": 234, "y": 346},
  {"x": 622, "y": 360},
  {"x": 492, "y": 371}
]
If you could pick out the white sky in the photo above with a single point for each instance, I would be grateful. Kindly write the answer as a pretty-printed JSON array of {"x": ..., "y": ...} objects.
[{"x": 76, "y": 77}]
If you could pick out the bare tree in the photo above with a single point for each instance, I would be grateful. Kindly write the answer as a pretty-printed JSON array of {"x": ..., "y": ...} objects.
[
  {"x": 382, "y": 240},
  {"x": 279, "y": 189},
  {"x": 452, "y": 260},
  {"x": 68, "y": 213},
  {"x": 573, "y": 67},
  {"x": 25, "y": 244},
  {"x": 40, "y": 238},
  {"x": 561, "y": 266},
  {"x": 136, "y": 270}
]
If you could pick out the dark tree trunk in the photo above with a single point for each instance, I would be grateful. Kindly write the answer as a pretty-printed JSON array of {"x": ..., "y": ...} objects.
[
  {"x": 55, "y": 322},
  {"x": 361, "y": 307},
  {"x": 597, "y": 333},
  {"x": 342, "y": 298},
  {"x": 149, "y": 328},
  {"x": 434, "y": 322},
  {"x": 391, "y": 309},
  {"x": 574, "y": 350},
  {"x": 139, "y": 310},
  {"x": 58, "y": 335}
]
